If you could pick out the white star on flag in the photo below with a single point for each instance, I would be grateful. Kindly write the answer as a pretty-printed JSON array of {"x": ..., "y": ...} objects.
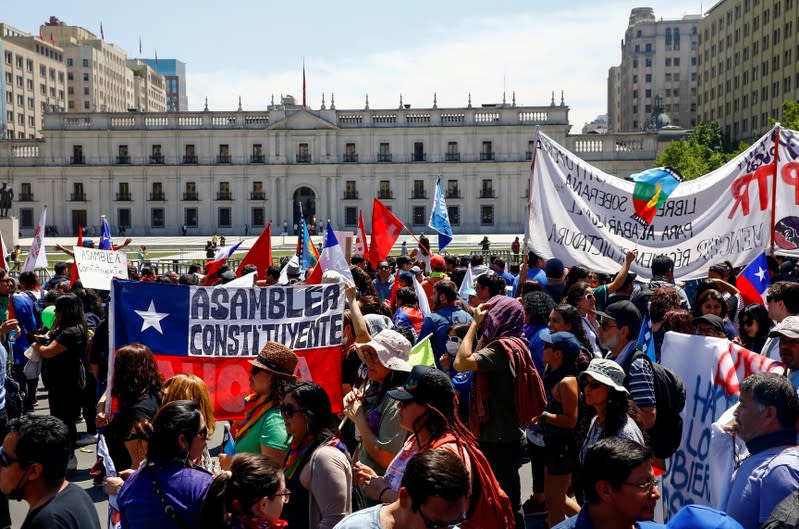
[
  {"x": 761, "y": 274},
  {"x": 151, "y": 318}
]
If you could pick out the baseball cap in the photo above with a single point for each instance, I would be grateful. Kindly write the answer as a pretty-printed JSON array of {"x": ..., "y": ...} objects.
[
  {"x": 788, "y": 327},
  {"x": 406, "y": 276},
  {"x": 713, "y": 320},
  {"x": 426, "y": 385},
  {"x": 607, "y": 372},
  {"x": 392, "y": 350},
  {"x": 624, "y": 313},
  {"x": 416, "y": 270},
  {"x": 554, "y": 268},
  {"x": 696, "y": 517},
  {"x": 438, "y": 263},
  {"x": 562, "y": 341}
]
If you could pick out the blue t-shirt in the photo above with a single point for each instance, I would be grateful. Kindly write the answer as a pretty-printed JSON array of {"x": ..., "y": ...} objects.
[{"x": 438, "y": 324}]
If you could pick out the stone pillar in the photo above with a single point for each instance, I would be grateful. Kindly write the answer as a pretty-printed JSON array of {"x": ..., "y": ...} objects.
[{"x": 9, "y": 227}]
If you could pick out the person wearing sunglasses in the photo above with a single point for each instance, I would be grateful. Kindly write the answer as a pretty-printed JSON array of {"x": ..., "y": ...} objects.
[
  {"x": 167, "y": 490},
  {"x": 754, "y": 326},
  {"x": 582, "y": 297},
  {"x": 262, "y": 431},
  {"x": 251, "y": 495},
  {"x": 603, "y": 391},
  {"x": 620, "y": 486},
  {"x": 33, "y": 462},
  {"x": 191, "y": 387},
  {"x": 433, "y": 494},
  {"x": 317, "y": 467}
]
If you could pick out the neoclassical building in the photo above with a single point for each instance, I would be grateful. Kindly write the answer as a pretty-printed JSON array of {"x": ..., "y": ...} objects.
[{"x": 231, "y": 172}]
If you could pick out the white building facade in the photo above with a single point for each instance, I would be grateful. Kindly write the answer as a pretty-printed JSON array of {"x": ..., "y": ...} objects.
[{"x": 233, "y": 172}]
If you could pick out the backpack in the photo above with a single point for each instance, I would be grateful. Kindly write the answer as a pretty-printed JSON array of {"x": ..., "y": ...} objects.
[
  {"x": 14, "y": 401},
  {"x": 666, "y": 435},
  {"x": 489, "y": 506},
  {"x": 786, "y": 514}
]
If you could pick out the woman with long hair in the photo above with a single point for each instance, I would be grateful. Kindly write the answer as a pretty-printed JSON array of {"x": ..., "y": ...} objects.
[
  {"x": 262, "y": 431},
  {"x": 250, "y": 495},
  {"x": 317, "y": 467},
  {"x": 711, "y": 301},
  {"x": 64, "y": 364},
  {"x": 429, "y": 411},
  {"x": 191, "y": 387},
  {"x": 167, "y": 490},
  {"x": 754, "y": 325},
  {"x": 566, "y": 318},
  {"x": 558, "y": 422},
  {"x": 581, "y": 296}
]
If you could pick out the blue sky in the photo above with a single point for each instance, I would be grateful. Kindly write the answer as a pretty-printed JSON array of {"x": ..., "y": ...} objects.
[{"x": 414, "y": 48}]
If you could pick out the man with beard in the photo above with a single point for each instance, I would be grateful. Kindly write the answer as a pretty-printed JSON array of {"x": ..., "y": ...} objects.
[
  {"x": 33, "y": 463},
  {"x": 446, "y": 313}
]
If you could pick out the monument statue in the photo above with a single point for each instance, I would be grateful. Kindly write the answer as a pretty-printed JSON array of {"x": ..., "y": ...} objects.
[{"x": 6, "y": 198}]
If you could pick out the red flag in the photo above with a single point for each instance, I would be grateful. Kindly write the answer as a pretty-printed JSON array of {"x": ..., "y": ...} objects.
[
  {"x": 73, "y": 273},
  {"x": 260, "y": 254},
  {"x": 361, "y": 246},
  {"x": 386, "y": 229},
  {"x": 4, "y": 264}
]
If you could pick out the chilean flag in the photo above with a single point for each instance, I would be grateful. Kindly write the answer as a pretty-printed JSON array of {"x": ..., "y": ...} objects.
[
  {"x": 753, "y": 281},
  {"x": 220, "y": 258},
  {"x": 331, "y": 258}
]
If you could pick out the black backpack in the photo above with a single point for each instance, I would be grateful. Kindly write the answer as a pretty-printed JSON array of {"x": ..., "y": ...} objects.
[
  {"x": 666, "y": 435},
  {"x": 785, "y": 515},
  {"x": 14, "y": 402}
]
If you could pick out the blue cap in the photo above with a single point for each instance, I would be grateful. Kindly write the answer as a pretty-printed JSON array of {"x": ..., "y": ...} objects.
[
  {"x": 696, "y": 517},
  {"x": 565, "y": 342}
]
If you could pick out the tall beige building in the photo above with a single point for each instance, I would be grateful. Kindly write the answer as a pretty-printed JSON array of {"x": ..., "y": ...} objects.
[
  {"x": 34, "y": 82},
  {"x": 149, "y": 87},
  {"x": 749, "y": 65},
  {"x": 614, "y": 98},
  {"x": 98, "y": 77},
  {"x": 658, "y": 58}
]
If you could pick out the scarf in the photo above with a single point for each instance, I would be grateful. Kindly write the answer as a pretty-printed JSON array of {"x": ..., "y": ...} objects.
[
  {"x": 771, "y": 440},
  {"x": 301, "y": 449},
  {"x": 249, "y": 521},
  {"x": 255, "y": 407}
]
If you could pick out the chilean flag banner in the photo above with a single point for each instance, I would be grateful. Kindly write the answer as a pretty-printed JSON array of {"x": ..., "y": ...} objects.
[
  {"x": 753, "y": 281},
  {"x": 220, "y": 258},
  {"x": 331, "y": 258},
  {"x": 213, "y": 332}
]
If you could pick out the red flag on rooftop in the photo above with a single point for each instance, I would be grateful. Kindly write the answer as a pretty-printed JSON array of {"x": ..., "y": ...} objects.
[
  {"x": 73, "y": 273},
  {"x": 260, "y": 254},
  {"x": 386, "y": 229}
]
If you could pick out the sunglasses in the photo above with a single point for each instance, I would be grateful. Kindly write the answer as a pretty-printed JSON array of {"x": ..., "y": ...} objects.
[
  {"x": 203, "y": 433},
  {"x": 288, "y": 412},
  {"x": 607, "y": 324},
  {"x": 383, "y": 267},
  {"x": 254, "y": 370},
  {"x": 589, "y": 296},
  {"x": 747, "y": 323},
  {"x": 454, "y": 339},
  {"x": 6, "y": 460},
  {"x": 594, "y": 384}
]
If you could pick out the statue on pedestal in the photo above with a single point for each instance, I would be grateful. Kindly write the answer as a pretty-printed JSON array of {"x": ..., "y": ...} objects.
[{"x": 6, "y": 198}]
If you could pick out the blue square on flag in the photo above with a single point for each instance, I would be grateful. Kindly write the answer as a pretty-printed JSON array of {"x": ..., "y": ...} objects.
[{"x": 153, "y": 314}]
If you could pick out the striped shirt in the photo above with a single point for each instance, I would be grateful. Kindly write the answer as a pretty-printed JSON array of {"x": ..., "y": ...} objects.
[{"x": 640, "y": 380}]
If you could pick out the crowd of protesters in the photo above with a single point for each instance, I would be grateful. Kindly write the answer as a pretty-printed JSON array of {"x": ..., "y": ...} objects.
[{"x": 415, "y": 446}]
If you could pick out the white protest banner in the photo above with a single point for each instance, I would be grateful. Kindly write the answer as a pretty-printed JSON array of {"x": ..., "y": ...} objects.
[
  {"x": 786, "y": 218},
  {"x": 581, "y": 215},
  {"x": 711, "y": 369},
  {"x": 97, "y": 267}
]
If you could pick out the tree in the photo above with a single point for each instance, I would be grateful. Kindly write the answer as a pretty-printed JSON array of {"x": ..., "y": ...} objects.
[{"x": 702, "y": 152}]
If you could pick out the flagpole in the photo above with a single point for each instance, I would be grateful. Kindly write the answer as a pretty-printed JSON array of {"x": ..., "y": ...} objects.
[
  {"x": 776, "y": 140},
  {"x": 536, "y": 140}
]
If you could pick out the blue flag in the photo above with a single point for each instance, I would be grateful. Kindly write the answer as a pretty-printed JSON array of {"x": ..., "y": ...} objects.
[
  {"x": 439, "y": 218},
  {"x": 646, "y": 339},
  {"x": 105, "y": 236}
]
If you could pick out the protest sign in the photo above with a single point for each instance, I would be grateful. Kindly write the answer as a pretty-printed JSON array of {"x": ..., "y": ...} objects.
[
  {"x": 96, "y": 268},
  {"x": 711, "y": 369},
  {"x": 213, "y": 332},
  {"x": 786, "y": 217},
  {"x": 580, "y": 214}
]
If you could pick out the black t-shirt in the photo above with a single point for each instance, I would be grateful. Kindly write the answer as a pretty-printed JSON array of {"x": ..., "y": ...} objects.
[
  {"x": 63, "y": 370},
  {"x": 71, "y": 508},
  {"x": 119, "y": 429}
]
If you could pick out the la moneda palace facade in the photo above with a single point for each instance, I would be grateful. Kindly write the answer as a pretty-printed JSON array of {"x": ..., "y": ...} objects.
[{"x": 232, "y": 172}]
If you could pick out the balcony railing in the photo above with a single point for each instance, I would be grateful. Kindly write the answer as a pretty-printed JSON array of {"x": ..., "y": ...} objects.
[
  {"x": 124, "y": 197},
  {"x": 257, "y": 195},
  {"x": 191, "y": 195},
  {"x": 78, "y": 160},
  {"x": 224, "y": 195},
  {"x": 304, "y": 158},
  {"x": 453, "y": 193},
  {"x": 453, "y": 157},
  {"x": 77, "y": 197},
  {"x": 158, "y": 197},
  {"x": 190, "y": 159},
  {"x": 223, "y": 158},
  {"x": 484, "y": 156},
  {"x": 25, "y": 197},
  {"x": 123, "y": 160},
  {"x": 419, "y": 157},
  {"x": 418, "y": 194},
  {"x": 350, "y": 157},
  {"x": 157, "y": 159},
  {"x": 385, "y": 195},
  {"x": 384, "y": 157},
  {"x": 257, "y": 158},
  {"x": 487, "y": 193},
  {"x": 350, "y": 195}
]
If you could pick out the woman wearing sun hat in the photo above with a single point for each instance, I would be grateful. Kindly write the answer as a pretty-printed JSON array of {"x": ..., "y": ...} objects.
[
  {"x": 603, "y": 390},
  {"x": 262, "y": 429}
]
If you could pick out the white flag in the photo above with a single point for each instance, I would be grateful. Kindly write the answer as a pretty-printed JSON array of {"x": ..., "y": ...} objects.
[
  {"x": 37, "y": 257},
  {"x": 421, "y": 295}
]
